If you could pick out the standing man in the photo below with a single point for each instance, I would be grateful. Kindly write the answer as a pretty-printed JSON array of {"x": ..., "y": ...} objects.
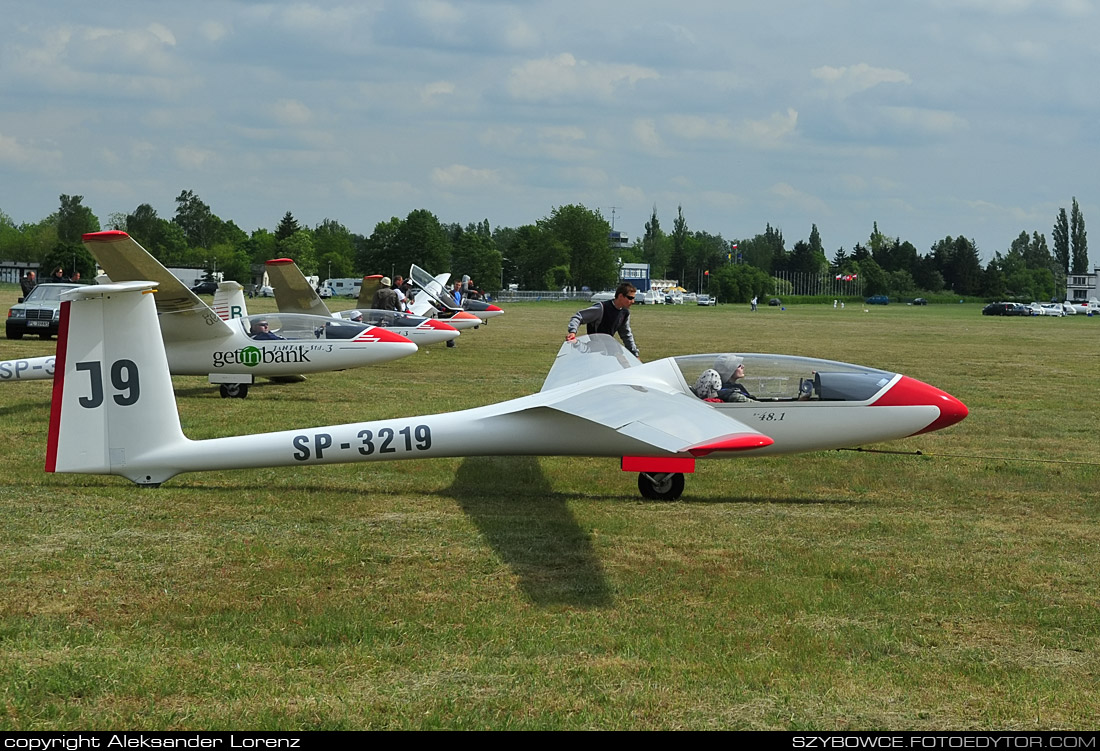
[
  {"x": 399, "y": 290},
  {"x": 385, "y": 298},
  {"x": 610, "y": 317},
  {"x": 753, "y": 302},
  {"x": 27, "y": 283}
]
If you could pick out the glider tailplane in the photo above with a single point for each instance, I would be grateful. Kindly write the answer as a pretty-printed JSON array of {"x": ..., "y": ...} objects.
[{"x": 113, "y": 404}]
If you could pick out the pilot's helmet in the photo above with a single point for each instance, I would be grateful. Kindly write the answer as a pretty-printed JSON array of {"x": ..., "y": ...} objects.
[
  {"x": 708, "y": 383},
  {"x": 357, "y": 316}
]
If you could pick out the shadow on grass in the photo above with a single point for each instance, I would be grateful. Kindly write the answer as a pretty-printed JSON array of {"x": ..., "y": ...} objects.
[{"x": 532, "y": 530}]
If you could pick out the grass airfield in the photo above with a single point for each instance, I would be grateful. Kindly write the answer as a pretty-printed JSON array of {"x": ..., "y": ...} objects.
[{"x": 835, "y": 590}]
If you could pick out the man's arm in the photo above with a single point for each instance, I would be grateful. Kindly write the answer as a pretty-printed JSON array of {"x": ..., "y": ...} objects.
[
  {"x": 628, "y": 336},
  {"x": 585, "y": 316}
]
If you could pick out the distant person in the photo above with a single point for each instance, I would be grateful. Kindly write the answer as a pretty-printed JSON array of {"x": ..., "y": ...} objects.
[
  {"x": 456, "y": 293},
  {"x": 260, "y": 330},
  {"x": 399, "y": 290},
  {"x": 59, "y": 276},
  {"x": 76, "y": 277},
  {"x": 28, "y": 282},
  {"x": 753, "y": 302},
  {"x": 385, "y": 298},
  {"x": 731, "y": 369},
  {"x": 609, "y": 317},
  {"x": 472, "y": 292}
]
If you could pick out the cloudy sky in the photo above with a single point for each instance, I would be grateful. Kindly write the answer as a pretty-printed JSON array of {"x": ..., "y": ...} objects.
[{"x": 934, "y": 117}]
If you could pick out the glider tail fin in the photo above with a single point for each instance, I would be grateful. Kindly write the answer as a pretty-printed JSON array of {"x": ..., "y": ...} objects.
[
  {"x": 229, "y": 301},
  {"x": 113, "y": 406}
]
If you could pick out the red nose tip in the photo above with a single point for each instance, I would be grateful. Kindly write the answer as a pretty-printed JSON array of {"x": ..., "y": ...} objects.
[
  {"x": 493, "y": 308},
  {"x": 434, "y": 323},
  {"x": 909, "y": 392}
]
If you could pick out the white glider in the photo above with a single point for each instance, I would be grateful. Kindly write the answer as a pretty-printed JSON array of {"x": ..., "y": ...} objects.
[
  {"x": 114, "y": 411},
  {"x": 294, "y": 294},
  {"x": 435, "y": 288},
  {"x": 199, "y": 342}
]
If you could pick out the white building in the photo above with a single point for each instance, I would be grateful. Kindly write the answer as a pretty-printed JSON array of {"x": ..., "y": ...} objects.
[{"x": 1083, "y": 287}]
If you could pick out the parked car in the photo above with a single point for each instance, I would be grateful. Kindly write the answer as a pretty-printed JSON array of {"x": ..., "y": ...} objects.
[
  {"x": 267, "y": 291},
  {"x": 704, "y": 300},
  {"x": 1006, "y": 309},
  {"x": 650, "y": 297},
  {"x": 603, "y": 296},
  {"x": 774, "y": 302},
  {"x": 920, "y": 301},
  {"x": 878, "y": 300},
  {"x": 205, "y": 288},
  {"x": 37, "y": 313},
  {"x": 1068, "y": 309}
]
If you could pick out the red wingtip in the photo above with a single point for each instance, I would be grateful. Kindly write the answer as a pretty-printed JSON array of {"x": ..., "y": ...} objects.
[
  {"x": 735, "y": 442},
  {"x": 105, "y": 236}
]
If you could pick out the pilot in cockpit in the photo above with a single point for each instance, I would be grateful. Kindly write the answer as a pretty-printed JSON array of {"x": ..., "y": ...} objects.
[
  {"x": 731, "y": 369},
  {"x": 260, "y": 330}
]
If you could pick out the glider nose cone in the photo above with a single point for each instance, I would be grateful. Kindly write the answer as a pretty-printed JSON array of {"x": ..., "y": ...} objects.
[
  {"x": 490, "y": 308},
  {"x": 385, "y": 344},
  {"x": 442, "y": 326},
  {"x": 911, "y": 392}
]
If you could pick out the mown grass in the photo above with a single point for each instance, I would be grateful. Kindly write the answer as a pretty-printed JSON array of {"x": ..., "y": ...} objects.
[{"x": 829, "y": 590}]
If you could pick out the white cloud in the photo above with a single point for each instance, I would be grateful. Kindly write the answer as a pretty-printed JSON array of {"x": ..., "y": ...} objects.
[
  {"x": 645, "y": 133},
  {"x": 843, "y": 82},
  {"x": 291, "y": 112},
  {"x": 790, "y": 196},
  {"x": 564, "y": 76},
  {"x": 435, "y": 90},
  {"x": 769, "y": 132},
  {"x": 461, "y": 177},
  {"x": 923, "y": 121},
  {"x": 17, "y": 154},
  {"x": 193, "y": 157}
]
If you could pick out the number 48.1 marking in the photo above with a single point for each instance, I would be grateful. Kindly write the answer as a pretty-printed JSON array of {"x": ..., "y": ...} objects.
[{"x": 124, "y": 379}]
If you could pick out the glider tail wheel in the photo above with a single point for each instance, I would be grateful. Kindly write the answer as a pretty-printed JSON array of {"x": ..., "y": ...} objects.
[
  {"x": 661, "y": 486},
  {"x": 234, "y": 390}
]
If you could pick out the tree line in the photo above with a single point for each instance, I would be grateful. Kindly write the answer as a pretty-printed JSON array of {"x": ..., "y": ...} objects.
[{"x": 568, "y": 248}]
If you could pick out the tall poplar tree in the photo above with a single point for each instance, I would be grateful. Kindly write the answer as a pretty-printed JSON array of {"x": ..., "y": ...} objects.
[
  {"x": 1060, "y": 235},
  {"x": 1078, "y": 240}
]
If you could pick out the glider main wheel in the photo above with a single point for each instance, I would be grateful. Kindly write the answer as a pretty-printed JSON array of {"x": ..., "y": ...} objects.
[
  {"x": 661, "y": 486},
  {"x": 234, "y": 390}
]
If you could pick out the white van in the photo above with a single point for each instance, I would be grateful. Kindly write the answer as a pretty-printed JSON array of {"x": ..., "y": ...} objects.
[{"x": 348, "y": 287}]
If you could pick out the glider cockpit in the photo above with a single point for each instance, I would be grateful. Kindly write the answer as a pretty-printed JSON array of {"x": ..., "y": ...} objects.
[
  {"x": 298, "y": 326},
  {"x": 790, "y": 378}
]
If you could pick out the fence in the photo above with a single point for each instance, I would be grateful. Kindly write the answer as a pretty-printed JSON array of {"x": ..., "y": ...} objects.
[
  {"x": 802, "y": 283},
  {"x": 527, "y": 295}
]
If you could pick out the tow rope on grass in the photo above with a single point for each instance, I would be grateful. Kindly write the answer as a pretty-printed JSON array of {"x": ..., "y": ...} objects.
[{"x": 972, "y": 456}]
